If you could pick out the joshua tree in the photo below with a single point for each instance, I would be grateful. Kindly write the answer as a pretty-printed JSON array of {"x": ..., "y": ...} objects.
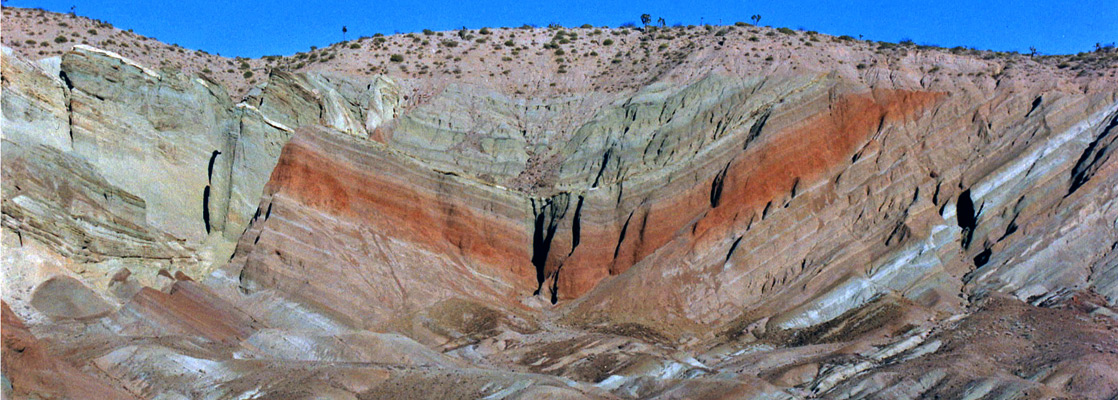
[
  {"x": 756, "y": 19},
  {"x": 645, "y": 19},
  {"x": 344, "y": 30},
  {"x": 662, "y": 22},
  {"x": 1032, "y": 51}
]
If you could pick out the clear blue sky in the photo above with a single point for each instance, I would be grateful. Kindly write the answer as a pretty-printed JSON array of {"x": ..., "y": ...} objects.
[{"x": 256, "y": 28}]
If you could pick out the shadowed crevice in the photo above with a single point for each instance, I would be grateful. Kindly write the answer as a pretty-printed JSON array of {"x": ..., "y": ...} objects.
[{"x": 1096, "y": 154}]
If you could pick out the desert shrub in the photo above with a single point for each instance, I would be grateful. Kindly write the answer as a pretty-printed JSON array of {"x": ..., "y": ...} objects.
[
  {"x": 739, "y": 23},
  {"x": 428, "y": 32},
  {"x": 355, "y": 45},
  {"x": 786, "y": 31},
  {"x": 484, "y": 31},
  {"x": 586, "y": 26},
  {"x": 60, "y": 39},
  {"x": 396, "y": 58},
  {"x": 607, "y": 42},
  {"x": 449, "y": 43},
  {"x": 247, "y": 74}
]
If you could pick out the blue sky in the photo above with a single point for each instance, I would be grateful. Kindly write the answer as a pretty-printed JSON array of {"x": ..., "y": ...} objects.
[{"x": 256, "y": 28}]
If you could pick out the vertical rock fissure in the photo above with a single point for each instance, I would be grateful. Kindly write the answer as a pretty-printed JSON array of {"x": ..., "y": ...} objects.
[
  {"x": 967, "y": 217},
  {"x": 576, "y": 233},
  {"x": 547, "y": 216},
  {"x": 69, "y": 104},
  {"x": 576, "y": 225}
]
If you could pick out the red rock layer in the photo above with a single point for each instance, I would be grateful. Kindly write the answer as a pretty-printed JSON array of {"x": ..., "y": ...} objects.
[
  {"x": 797, "y": 156},
  {"x": 193, "y": 310},
  {"x": 332, "y": 175},
  {"x": 366, "y": 185},
  {"x": 350, "y": 227}
]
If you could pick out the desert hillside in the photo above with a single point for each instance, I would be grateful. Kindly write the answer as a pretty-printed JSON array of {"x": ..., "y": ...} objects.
[{"x": 563, "y": 212}]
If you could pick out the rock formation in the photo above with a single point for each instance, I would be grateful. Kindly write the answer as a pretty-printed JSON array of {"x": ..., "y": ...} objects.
[{"x": 937, "y": 224}]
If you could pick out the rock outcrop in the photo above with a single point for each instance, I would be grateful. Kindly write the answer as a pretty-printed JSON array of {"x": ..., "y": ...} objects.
[{"x": 716, "y": 232}]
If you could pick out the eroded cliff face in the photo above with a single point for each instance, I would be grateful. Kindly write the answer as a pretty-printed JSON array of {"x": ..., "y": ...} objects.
[{"x": 806, "y": 232}]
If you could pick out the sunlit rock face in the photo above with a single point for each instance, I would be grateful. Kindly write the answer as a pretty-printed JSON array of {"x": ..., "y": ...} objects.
[{"x": 811, "y": 230}]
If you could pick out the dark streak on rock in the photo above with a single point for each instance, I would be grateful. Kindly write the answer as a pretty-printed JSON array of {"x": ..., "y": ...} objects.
[
  {"x": 1036, "y": 104},
  {"x": 621, "y": 238},
  {"x": 982, "y": 258},
  {"x": 1096, "y": 154},
  {"x": 732, "y": 248},
  {"x": 717, "y": 185},
  {"x": 206, "y": 208},
  {"x": 605, "y": 161},
  {"x": 210, "y": 169},
  {"x": 756, "y": 129}
]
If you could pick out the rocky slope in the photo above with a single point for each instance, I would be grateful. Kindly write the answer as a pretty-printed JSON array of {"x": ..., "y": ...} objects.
[{"x": 836, "y": 219}]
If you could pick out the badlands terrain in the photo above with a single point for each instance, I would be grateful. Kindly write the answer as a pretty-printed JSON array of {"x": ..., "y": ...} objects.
[{"x": 699, "y": 212}]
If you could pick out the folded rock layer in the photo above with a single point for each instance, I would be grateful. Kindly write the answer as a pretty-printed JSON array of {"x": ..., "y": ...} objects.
[{"x": 707, "y": 226}]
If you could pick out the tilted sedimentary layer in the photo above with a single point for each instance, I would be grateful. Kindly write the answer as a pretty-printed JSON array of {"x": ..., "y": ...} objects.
[{"x": 718, "y": 235}]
